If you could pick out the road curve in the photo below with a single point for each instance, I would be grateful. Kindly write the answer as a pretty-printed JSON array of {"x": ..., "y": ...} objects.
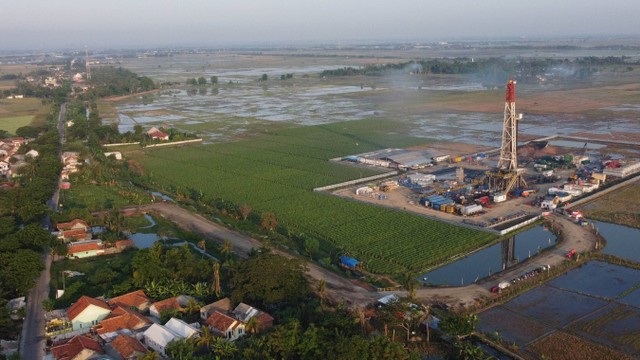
[{"x": 340, "y": 289}]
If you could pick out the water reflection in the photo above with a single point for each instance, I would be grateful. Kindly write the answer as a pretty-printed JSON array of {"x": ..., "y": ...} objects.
[
  {"x": 622, "y": 241},
  {"x": 498, "y": 257}
]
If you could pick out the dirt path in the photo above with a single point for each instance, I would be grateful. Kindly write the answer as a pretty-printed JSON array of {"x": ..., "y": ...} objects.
[{"x": 340, "y": 289}]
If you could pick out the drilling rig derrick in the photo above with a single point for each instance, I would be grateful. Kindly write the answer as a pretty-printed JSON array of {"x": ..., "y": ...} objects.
[{"x": 507, "y": 176}]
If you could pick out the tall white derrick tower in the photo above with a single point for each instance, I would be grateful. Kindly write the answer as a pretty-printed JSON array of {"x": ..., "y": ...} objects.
[{"x": 507, "y": 175}]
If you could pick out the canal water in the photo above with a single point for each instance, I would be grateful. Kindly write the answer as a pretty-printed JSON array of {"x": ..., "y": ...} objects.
[
  {"x": 622, "y": 241},
  {"x": 490, "y": 260}
]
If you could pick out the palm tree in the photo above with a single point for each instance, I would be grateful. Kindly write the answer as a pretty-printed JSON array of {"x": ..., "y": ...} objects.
[
  {"x": 192, "y": 307},
  {"x": 202, "y": 244},
  {"x": 226, "y": 248},
  {"x": 322, "y": 291},
  {"x": 223, "y": 348},
  {"x": 409, "y": 282},
  {"x": 216, "y": 279},
  {"x": 425, "y": 316},
  {"x": 206, "y": 339},
  {"x": 151, "y": 355},
  {"x": 253, "y": 325}
]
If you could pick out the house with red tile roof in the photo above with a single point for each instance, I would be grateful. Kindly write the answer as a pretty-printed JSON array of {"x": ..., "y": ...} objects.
[
  {"x": 87, "y": 312},
  {"x": 134, "y": 300},
  {"x": 78, "y": 348},
  {"x": 122, "y": 318},
  {"x": 159, "y": 135},
  {"x": 124, "y": 244},
  {"x": 225, "y": 326},
  {"x": 83, "y": 249},
  {"x": 73, "y": 224},
  {"x": 244, "y": 313},
  {"x": 175, "y": 303},
  {"x": 74, "y": 235},
  {"x": 128, "y": 347}
]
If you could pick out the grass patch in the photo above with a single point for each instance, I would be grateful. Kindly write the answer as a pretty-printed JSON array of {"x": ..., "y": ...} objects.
[
  {"x": 87, "y": 197},
  {"x": 11, "y": 124},
  {"x": 277, "y": 171},
  {"x": 104, "y": 276},
  {"x": 15, "y": 113}
]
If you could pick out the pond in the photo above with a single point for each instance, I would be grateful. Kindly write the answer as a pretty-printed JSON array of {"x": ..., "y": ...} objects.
[
  {"x": 490, "y": 260},
  {"x": 144, "y": 241},
  {"x": 622, "y": 241}
]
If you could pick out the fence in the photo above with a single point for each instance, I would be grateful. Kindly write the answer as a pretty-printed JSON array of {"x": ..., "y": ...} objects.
[{"x": 357, "y": 181}]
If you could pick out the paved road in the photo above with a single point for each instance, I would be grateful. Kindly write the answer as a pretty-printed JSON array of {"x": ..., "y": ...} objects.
[
  {"x": 32, "y": 340},
  {"x": 341, "y": 289}
]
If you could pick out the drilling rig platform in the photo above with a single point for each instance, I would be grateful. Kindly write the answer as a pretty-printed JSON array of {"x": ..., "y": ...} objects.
[{"x": 507, "y": 176}]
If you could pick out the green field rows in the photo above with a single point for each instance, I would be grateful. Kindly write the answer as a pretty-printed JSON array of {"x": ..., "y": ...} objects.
[{"x": 277, "y": 173}]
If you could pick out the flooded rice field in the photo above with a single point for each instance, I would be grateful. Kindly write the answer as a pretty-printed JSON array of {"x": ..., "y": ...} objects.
[
  {"x": 597, "y": 301},
  {"x": 241, "y": 104}
]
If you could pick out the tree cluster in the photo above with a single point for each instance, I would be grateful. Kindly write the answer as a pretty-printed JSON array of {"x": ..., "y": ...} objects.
[{"x": 110, "y": 81}]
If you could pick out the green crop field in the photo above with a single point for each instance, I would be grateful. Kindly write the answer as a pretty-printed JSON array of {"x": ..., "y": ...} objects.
[
  {"x": 15, "y": 113},
  {"x": 277, "y": 172}
]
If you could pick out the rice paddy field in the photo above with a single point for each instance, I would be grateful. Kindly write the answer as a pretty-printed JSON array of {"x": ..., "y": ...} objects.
[{"x": 596, "y": 304}]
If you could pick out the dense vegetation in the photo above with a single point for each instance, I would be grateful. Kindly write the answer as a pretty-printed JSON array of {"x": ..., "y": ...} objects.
[
  {"x": 276, "y": 174},
  {"x": 108, "y": 81},
  {"x": 22, "y": 209},
  {"x": 492, "y": 71}
]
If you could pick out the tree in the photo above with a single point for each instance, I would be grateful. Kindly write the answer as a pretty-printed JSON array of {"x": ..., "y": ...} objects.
[
  {"x": 311, "y": 246},
  {"x": 223, "y": 349},
  {"x": 264, "y": 77},
  {"x": 214, "y": 80},
  {"x": 19, "y": 269},
  {"x": 268, "y": 221},
  {"x": 192, "y": 81},
  {"x": 244, "y": 211},
  {"x": 253, "y": 325},
  {"x": 269, "y": 279},
  {"x": 48, "y": 304},
  {"x": 202, "y": 81},
  {"x": 27, "y": 132},
  {"x": 459, "y": 326},
  {"x": 410, "y": 282},
  {"x": 216, "y": 279},
  {"x": 180, "y": 349},
  {"x": 226, "y": 248},
  {"x": 202, "y": 244},
  {"x": 322, "y": 291}
]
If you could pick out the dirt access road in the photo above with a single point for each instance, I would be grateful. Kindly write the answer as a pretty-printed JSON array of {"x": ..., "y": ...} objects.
[{"x": 340, "y": 289}]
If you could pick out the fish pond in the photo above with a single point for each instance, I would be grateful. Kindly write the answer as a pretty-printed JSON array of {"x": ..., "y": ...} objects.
[{"x": 492, "y": 259}]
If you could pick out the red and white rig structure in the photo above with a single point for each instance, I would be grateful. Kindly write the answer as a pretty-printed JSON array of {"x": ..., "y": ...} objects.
[{"x": 507, "y": 176}]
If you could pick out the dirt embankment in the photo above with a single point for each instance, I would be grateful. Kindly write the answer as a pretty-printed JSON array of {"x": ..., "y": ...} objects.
[{"x": 340, "y": 289}]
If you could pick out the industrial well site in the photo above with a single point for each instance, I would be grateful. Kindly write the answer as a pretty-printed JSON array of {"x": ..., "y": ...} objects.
[{"x": 498, "y": 190}]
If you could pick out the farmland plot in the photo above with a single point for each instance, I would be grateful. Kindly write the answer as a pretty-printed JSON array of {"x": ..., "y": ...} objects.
[{"x": 277, "y": 172}]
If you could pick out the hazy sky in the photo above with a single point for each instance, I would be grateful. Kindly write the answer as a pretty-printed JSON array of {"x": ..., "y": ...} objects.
[{"x": 127, "y": 23}]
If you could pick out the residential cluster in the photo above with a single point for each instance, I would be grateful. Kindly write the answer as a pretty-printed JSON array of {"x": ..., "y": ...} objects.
[
  {"x": 78, "y": 236},
  {"x": 128, "y": 326},
  {"x": 10, "y": 160}
]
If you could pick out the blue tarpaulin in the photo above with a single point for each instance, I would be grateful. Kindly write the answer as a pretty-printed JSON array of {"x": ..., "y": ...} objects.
[{"x": 349, "y": 262}]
